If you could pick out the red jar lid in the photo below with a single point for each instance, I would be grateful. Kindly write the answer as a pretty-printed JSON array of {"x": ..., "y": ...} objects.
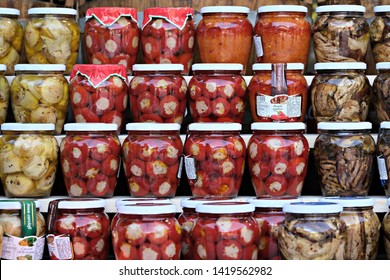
[
  {"x": 176, "y": 16},
  {"x": 96, "y": 74},
  {"x": 109, "y": 15}
]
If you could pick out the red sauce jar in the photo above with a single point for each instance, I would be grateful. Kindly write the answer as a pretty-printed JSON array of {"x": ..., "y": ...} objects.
[
  {"x": 158, "y": 93},
  {"x": 277, "y": 159},
  {"x": 225, "y": 231},
  {"x": 112, "y": 36},
  {"x": 90, "y": 159},
  {"x": 214, "y": 159},
  {"x": 98, "y": 93},
  {"x": 224, "y": 35},
  {"x": 146, "y": 231},
  {"x": 168, "y": 36},
  {"x": 217, "y": 93},
  {"x": 278, "y": 92},
  {"x": 151, "y": 158},
  {"x": 79, "y": 229}
]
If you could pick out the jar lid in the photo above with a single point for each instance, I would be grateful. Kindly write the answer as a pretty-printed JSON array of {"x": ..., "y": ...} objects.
[
  {"x": 28, "y": 127},
  {"x": 209, "y": 126},
  {"x": 10, "y": 204},
  {"x": 90, "y": 127},
  {"x": 225, "y": 207},
  {"x": 385, "y": 125},
  {"x": 282, "y": 8},
  {"x": 152, "y": 126},
  {"x": 312, "y": 208},
  {"x": 278, "y": 126},
  {"x": 81, "y": 203},
  {"x": 341, "y": 8},
  {"x": 225, "y": 9},
  {"x": 147, "y": 209},
  {"x": 344, "y": 125},
  {"x": 268, "y": 66},
  {"x": 382, "y": 9},
  {"x": 9, "y": 11},
  {"x": 272, "y": 203},
  {"x": 340, "y": 66},
  {"x": 217, "y": 66},
  {"x": 135, "y": 200},
  {"x": 388, "y": 201},
  {"x": 358, "y": 201},
  {"x": 158, "y": 67},
  {"x": 3, "y": 67},
  {"x": 192, "y": 202},
  {"x": 383, "y": 65},
  {"x": 40, "y": 67},
  {"x": 52, "y": 11}
]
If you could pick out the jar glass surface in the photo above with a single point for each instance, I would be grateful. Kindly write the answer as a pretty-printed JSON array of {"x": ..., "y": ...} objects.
[
  {"x": 4, "y": 97},
  {"x": 386, "y": 231},
  {"x": 379, "y": 31}
]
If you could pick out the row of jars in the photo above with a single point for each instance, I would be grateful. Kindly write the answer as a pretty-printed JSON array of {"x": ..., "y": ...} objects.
[{"x": 212, "y": 229}]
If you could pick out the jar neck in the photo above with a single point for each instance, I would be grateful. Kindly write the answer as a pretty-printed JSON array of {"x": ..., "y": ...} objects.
[
  {"x": 342, "y": 14},
  {"x": 157, "y": 73},
  {"x": 313, "y": 215},
  {"x": 217, "y": 72},
  {"x": 92, "y": 133},
  {"x": 266, "y": 210},
  {"x": 146, "y": 216},
  {"x": 225, "y": 15},
  {"x": 279, "y": 132},
  {"x": 9, "y": 16},
  {"x": 35, "y": 132},
  {"x": 340, "y": 72},
  {"x": 81, "y": 210},
  {"x": 358, "y": 209},
  {"x": 215, "y": 133},
  {"x": 232, "y": 215},
  {"x": 282, "y": 14},
  {"x": 345, "y": 132},
  {"x": 37, "y": 72},
  {"x": 52, "y": 16},
  {"x": 153, "y": 133}
]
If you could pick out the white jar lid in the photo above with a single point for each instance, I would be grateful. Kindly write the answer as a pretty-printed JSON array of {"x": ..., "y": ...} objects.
[
  {"x": 90, "y": 127},
  {"x": 225, "y": 207},
  {"x": 217, "y": 67},
  {"x": 282, "y": 8},
  {"x": 388, "y": 201},
  {"x": 344, "y": 125},
  {"x": 382, "y": 65},
  {"x": 340, "y": 66},
  {"x": 40, "y": 67},
  {"x": 278, "y": 126},
  {"x": 225, "y": 9},
  {"x": 382, "y": 9},
  {"x": 268, "y": 66},
  {"x": 81, "y": 203},
  {"x": 312, "y": 208},
  {"x": 10, "y": 204},
  {"x": 152, "y": 127},
  {"x": 147, "y": 209},
  {"x": 135, "y": 200},
  {"x": 193, "y": 202},
  {"x": 9, "y": 11},
  {"x": 3, "y": 67},
  {"x": 385, "y": 125},
  {"x": 340, "y": 8},
  {"x": 358, "y": 201},
  {"x": 209, "y": 126},
  {"x": 272, "y": 203},
  {"x": 158, "y": 67},
  {"x": 35, "y": 127},
  {"x": 52, "y": 11}
]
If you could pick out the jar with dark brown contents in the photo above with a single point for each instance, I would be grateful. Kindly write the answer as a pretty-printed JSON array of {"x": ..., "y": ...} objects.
[
  {"x": 383, "y": 156},
  {"x": 379, "y": 34},
  {"x": 386, "y": 230},
  {"x": 381, "y": 96}
]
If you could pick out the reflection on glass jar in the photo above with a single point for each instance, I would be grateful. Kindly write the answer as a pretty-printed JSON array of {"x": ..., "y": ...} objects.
[
  {"x": 386, "y": 230},
  {"x": 379, "y": 34},
  {"x": 381, "y": 96},
  {"x": 383, "y": 156},
  {"x": 4, "y": 94}
]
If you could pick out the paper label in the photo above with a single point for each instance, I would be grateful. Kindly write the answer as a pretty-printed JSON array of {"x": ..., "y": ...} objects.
[
  {"x": 279, "y": 107},
  {"x": 382, "y": 168},
  {"x": 60, "y": 247},
  {"x": 190, "y": 167},
  {"x": 258, "y": 45},
  {"x": 23, "y": 248},
  {"x": 179, "y": 171}
]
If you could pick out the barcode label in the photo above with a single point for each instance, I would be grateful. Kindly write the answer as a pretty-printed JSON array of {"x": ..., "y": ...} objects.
[
  {"x": 258, "y": 45},
  {"x": 382, "y": 168},
  {"x": 189, "y": 163}
]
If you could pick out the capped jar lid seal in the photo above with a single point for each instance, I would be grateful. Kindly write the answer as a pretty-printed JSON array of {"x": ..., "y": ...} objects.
[
  {"x": 385, "y": 125},
  {"x": 388, "y": 201},
  {"x": 81, "y": 203},
  {"x": 9, "y": 11},
  {"x": 90, "y": 127},
  {"x": 225, "y": 9},
  {"x": 358, "y": 201},
  {"x": 192, "y": 202},
  {"x": 340, "y": 66},
  {"x": 272, "y": 203},
  {"x": 208, "y": 126},
  {"x": 382, "y": 65},
  {"x": 344, "y": 125},
  {"x": 382, "y": 9},
  {"x": 282, "y": 8},
  {"x": 147, "y": 209},
  {"x": 268, "y": 66},
  {"x": 28, "y": 127},
  {"x": 217, "y": 66},
  {"x": 3, "y": 67},
  {"x": 52, "y": 11},
  {"x": 278, "y": 126},
  {"x": 135, "y": 200},
  {"x": 40, "y": 67},
  {"x": 158, "y": 67},
  {"x": 312, "y": 208},
  {"x": 152, "y": 126},
  {"x": 9, "y": 204},
  {"x": 340, "y": 8},
  {"x": 225, "y": 207}
]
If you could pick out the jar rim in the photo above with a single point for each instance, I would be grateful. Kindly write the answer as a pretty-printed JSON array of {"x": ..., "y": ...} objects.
[
  {"x": 382, "y": 65},
  {"x": 158, "y": 67},
  {"x": 340, "y": 66},
  {"x": 268, "y": 66},
  {"x": 341, "y": 8},
  {"x": 385, "y": 125},
  {"x": 272, "y": 203},
  {"x": 225, "y": 9},
  {"x": 27, "y": 127},
  {"x": 135, "y": 200},
  {"x": 209, "y": 126},
  {"x": 344, "y": 125},
  {"x": 152, "y": 127},
  {"x": 90, "y": 127},
  {"x": 282, "y": 8},
  {"x": 52, "y": 11},
  {"x": 358, "y": 201},
  {"x": 40, "y": 67},
  {"x": 382, "y": 9},
  {"x": 10, "y": 204},
  {"x": 147, "y": 209},
  {"x": 312, "y": 208},
  {"x": 192, "y": 202},
  {"x": 9, "y": 11},
  {"x": 81, "y": 203},
  {"x": 278, "y": 126},
  {"x": 234, "y": 207},
  {"x": 3, "y": 67},
  {"x": 217, "y": 66}
]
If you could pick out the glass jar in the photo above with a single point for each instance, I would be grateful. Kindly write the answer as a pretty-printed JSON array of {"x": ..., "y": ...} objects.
[
  {"x": 158, "y": 93},
  {"x": 151, "y": 159},
  {"x": 90, "y": 159},
  {"x": 312, "y": 231},
  {"x": 386, "y": 230},
  {"x": 381, "y": 100},
  {"x": 340, "y": 92},
  {"x": 224, "y": 35},
  {"x": 98, "y": 93},
  {"x": 146, "y": 231},
  {"x": 279, "y": 30},
  {"x": 341, "y": 33},
  {"x": 379, "y": 32},
  {"x": 363, "y": 227},
  {"x": 39, "y": 94},
  {"x": 217, "y": 93},
  {"x": 112, "y": 36},
  {"x": 52, "y": 36},
  {"x": 4, "y": 94},
  {"x": 383, "y": 156},
  {"x": 168, "y": 36},
  {"x": 78, "y": 229},
  {"x": 269, "y": 216},
  {"x": 278, "y": 92},
  {"x": 344, "y": 154},
  {"x": 11, "y": 38},
  {"x": 23, "y": 230},
  {"x": 214, "y": 159},
  {"x": 28, "y": 159},
  {"x": 278, "y": 155},
  {"x": 225, "y": 231}
]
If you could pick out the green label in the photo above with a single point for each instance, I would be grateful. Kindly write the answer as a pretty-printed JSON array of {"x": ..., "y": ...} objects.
[{"x": 29, "y": 218}]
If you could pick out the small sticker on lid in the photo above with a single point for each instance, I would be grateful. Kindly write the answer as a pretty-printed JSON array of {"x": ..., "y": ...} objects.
[
  {"x": 258, "y": 45},
  {"x": 382, "y": 169},
  {"x": 190, "y": 167}
]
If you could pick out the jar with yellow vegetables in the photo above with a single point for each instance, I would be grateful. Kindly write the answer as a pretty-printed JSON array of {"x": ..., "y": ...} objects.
[{"x": 4, "y": 94}]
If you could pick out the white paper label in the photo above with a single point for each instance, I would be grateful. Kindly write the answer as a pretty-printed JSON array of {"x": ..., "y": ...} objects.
[
  {"x": 26, "y": 248},
  {"x": 179, "y": 171},
  {"x": 258, "y": 45},
  {"x": 60, "y": 247},
  {"x": 279, "y": 107},
  {"x": 382, "y": 168},
  {"x": 189, "y": 163}
]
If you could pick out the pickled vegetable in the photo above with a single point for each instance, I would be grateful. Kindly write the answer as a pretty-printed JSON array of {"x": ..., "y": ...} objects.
[{"x": 4, "y": 98}]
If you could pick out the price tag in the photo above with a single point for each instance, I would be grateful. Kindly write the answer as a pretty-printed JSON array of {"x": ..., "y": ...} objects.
[{"x": 190, "y": 167}]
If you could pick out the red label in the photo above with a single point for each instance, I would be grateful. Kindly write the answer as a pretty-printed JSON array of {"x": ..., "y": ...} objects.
[
  {"x": 176, "y": 16},
  {"x": 97, "y": 74},
  {"x": 108, "y": 16}
]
